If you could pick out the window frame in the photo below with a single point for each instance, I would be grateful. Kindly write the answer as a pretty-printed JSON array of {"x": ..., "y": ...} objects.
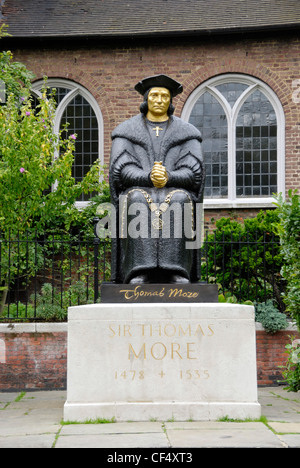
[
  {"x": 232, "y": 201},
  {"x": 75, "y": 89}
]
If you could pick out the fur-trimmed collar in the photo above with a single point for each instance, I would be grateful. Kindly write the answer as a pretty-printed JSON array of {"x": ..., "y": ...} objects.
[{"x": 135, "y": 130}]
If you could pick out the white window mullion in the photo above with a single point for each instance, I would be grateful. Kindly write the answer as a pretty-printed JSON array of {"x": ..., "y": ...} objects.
[{"x": 231, "y": 160}]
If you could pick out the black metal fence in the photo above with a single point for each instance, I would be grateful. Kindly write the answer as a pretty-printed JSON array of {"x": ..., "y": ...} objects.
[
  {"x": 245, "y": 265},
  {"x": 40, "y": 277}
]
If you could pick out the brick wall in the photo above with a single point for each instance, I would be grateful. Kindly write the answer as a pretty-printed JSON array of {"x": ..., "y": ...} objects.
[
  {"x": 270, "y": 351},
  {"x": 34, "y": 356},
  {"x": 213, "y": 215},
  {"x": 110, "y": 70}
]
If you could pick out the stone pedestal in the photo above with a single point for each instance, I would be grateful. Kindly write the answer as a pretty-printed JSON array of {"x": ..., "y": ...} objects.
[{"x": 137, "y": 362}]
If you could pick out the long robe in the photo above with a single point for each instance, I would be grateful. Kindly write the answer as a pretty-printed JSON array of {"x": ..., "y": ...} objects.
[{"x": 131, "y": 162}]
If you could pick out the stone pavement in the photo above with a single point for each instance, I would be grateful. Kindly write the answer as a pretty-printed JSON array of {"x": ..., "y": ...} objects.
[{"x": 34, "y": 420}]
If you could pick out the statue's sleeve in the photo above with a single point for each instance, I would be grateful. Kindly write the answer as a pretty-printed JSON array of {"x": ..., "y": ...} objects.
[
  {"x": 126, "y": 171},
  {"x": 188, "y": 169}
]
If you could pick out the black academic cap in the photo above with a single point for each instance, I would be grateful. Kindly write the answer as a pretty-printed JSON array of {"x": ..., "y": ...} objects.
[{"x": 161, "y": 81}]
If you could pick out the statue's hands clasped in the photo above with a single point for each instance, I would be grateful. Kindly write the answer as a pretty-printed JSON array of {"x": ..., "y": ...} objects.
[{"x": 159, "y": 176}]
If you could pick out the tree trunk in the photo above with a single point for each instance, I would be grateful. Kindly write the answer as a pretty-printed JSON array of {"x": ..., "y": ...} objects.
[{"x": 3, "y": 298}]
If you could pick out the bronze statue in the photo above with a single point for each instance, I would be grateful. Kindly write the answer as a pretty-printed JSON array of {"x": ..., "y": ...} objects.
[{"x": 156, "y": 166}]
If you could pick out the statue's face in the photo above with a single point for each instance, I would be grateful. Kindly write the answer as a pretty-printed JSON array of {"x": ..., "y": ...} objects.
[{"x": 158, "y": 103}]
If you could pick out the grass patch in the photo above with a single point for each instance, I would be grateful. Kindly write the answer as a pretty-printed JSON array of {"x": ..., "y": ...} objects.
[
  {"x": 226, "y": 418},
  {"x": 172, "y": 419},
  {"x": 90, "y": 421},
  {"x": 19, "y": 397}
]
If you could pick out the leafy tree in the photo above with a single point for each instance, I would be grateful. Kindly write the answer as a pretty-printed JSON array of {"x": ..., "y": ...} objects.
[{"x": 33, "y": 160}]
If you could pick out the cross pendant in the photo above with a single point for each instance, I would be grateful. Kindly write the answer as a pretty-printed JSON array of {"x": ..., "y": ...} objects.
[{"x": 157, "y": 129}]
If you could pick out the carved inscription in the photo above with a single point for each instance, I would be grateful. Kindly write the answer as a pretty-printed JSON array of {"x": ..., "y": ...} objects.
[
  {"x": 169, "y": 330},
  {"x": 160, "y": 342}
]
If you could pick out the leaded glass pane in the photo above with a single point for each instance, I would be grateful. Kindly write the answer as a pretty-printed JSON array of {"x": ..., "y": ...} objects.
[
  {"x": 231, "y": 91},
  {"x": 82, "y": 120},
  {"x": 59, "y": 93},
  {"x": 209, "y": 117},
  {"x": 56, "y": 92},
  {"x": 256, "y": 144}
]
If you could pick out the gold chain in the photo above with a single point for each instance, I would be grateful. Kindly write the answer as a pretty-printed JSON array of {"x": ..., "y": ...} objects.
[{"x": 158, "y": 210}]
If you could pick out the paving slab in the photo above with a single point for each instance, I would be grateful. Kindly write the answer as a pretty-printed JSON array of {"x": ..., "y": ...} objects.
[
  {"x": 113, "y": 435},
  {"x": 112, "y": 428},
  {"x": 291, "y": 440},
  {"x": 8, "y": 397},
  {"x": 279, "y": 405},
  {"x": 221, "y": 434},
  {"x": 132, "y": 440},
  {"x": 35, "y": 421},
  {"x": 23, "y": 426},
  {"x": 285, "y": 427},
  {"x": 28, "y": 441}
]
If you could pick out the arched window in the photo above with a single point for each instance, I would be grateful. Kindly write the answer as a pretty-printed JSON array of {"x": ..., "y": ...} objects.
[
  {"x": 242, "y": 125},
  {"x": 77, "y": 107}
]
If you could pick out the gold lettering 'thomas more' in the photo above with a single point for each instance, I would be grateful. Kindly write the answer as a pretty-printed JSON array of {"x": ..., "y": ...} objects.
[
  {"x": 169, "y": 330},
  {"x": 180, "y": 293},
  {"x": 160, "y": 351}
]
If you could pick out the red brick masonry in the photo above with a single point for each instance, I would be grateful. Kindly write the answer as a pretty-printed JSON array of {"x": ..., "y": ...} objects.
[
  {"x": 109, "y": 71},
  {"x": 34, "y": 356}
]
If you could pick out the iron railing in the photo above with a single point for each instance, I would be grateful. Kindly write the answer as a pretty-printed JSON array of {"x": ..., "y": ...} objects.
[
  {"x": 245, "y": 265},
  {"x": 41, "y": 276}
]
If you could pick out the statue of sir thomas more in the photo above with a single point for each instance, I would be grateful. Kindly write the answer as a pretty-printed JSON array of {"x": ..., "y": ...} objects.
[{"x": 157, "y": 178}]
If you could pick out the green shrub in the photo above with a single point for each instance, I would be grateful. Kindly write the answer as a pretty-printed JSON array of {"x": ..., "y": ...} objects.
[
  {"x": 52, "y": 304},
  {"x": 291, "y": 371},
  {"x": 19, "y": 311},
  {"x": 271, "y": 319},
  {"x": 245, "y": 259},
  {"x": 289, "y": 232}
]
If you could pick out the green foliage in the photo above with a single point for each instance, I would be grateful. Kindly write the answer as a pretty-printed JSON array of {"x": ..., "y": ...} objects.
[
  {"x": 245, "y": 259},
  {"x": 81, "y": 221},
  {"x": 52, "y": 304},
  {"x": 227, "y": 297},
  {"x": 19, "y": 311},
  {"x": 3, "y": 31},
  {"x": 291, "y": 371},
  {"x": 33, "y": 159},
  {"x": 16, "y": 77},
  {"x": 289, "y": 231},
  {"x": 269, "y": 316},
  {"x": 30, "y": 166}
]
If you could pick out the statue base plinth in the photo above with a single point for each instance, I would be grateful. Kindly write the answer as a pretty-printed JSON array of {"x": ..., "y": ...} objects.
[
  {"x": 162, "y": 293},
  {"x": 140, "y": 362}
]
